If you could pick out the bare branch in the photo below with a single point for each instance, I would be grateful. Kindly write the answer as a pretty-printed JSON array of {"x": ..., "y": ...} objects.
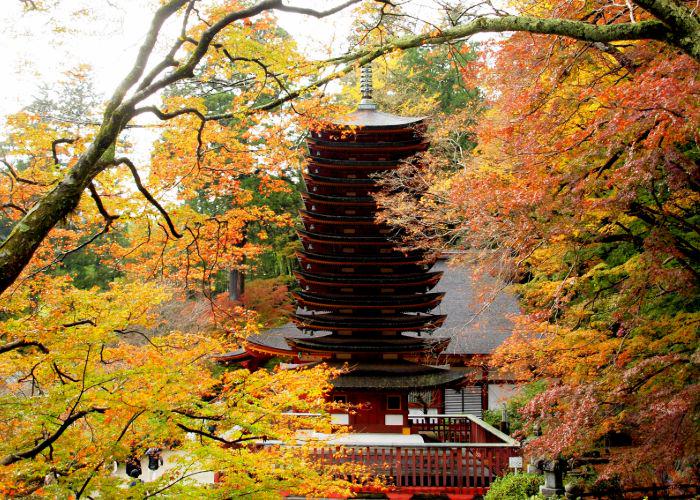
[
  {"x": 318, "y": 13},
  {"x": 54, "y": 150},
  {"x": 196, "y": 416},
  {"x": 80, "y": 323},
  {"x": 62, "y": 257},
  {"x": 61, "y": 374},
  {"x": 147, "y": 195},
  {"x": 161, "y": 15},
  {"x": 17, "y": 344},
  {"x": 100, "y": 206},
  {"x": 14, "y": 206},
  {"x": 228, "y": 442},
  {"x": 32, "y": 452},
  {"x": 23, "y": 180}
]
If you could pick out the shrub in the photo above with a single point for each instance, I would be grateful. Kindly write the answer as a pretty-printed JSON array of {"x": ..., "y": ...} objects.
[{"x": 515, "y": 487}]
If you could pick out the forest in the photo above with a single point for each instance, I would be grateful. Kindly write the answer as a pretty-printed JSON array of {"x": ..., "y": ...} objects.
[{"x": 564, "y": 161}]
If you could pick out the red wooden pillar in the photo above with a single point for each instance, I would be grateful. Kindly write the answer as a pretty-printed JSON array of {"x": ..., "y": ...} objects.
[{"x": 484, "y": 388}]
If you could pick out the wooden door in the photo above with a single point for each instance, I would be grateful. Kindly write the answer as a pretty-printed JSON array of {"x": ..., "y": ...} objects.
[{"x": 371, "y": 417}]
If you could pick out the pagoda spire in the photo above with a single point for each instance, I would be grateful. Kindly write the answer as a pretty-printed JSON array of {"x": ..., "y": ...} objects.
[{"x": 366, "y": 88}]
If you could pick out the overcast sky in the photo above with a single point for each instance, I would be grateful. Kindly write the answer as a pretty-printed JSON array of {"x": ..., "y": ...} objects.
[{"x": 35, "y": 48}]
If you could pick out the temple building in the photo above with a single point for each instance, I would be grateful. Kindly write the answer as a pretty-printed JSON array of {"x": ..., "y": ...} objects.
[{"x": 398, "y": 322}]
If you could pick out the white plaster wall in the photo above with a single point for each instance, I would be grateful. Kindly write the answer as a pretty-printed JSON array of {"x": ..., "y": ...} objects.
[
  {"x": 340, "y": 419},
  {"x": 499, "y": 394},
  {"x": 149, "y": 475},
  {"x": 395, "y": 419}
]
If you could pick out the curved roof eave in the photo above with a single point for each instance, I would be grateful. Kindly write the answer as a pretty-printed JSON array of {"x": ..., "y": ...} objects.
[{"x": 372, "y": 118}]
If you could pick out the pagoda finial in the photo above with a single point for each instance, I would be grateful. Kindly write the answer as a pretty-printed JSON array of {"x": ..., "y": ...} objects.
[{"x": 366, "y": 88}]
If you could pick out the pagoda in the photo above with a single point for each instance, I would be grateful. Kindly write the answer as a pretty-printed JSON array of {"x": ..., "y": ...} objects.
[{"x": 364, "y": 303}]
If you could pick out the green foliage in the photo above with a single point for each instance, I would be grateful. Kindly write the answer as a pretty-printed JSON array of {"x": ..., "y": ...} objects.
[
  {"x": 514, "y": 405},
  {"x": 515, "y": 487},
  {"x": 429, "y": 76},
  {"x": 89, "y": 269}
]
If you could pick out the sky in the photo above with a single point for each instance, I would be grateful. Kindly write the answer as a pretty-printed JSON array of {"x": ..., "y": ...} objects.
[{"x": 37, "y": 48}]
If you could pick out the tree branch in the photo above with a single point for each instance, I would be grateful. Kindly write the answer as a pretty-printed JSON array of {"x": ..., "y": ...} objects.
[
  {"x": 17, "y": 344},
  {"x": 32, "y": 452},
  {"x": 196, "y": 416},
  {"x": 229, "y": 442},
  {"x": 54, "y": 150},
  {"x": 317, "y": 13},
  {"x": 147, "y": 195},
  {"x": 23, "y": 180},
  {"x": 100, "y": 206}
]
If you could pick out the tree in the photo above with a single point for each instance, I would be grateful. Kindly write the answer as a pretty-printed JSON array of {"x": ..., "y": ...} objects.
[
  {"x": 91, "y": 375},
  {"x": 583, "y": 194},
  {"x": 672, "y": 23},
  {"x": 77, "y": 396},
  {"x": 89, "y": 390}
]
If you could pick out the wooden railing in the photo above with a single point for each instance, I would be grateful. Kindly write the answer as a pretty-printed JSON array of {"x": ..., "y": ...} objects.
[
  {"x": 456, "y": 429},
  {"x": 460, "y": 468}
]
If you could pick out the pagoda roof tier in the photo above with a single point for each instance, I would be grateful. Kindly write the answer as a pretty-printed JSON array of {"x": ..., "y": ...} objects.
[
  {"x": 430, "y": 278},
  {"x": 382, "y": 285},
  {"x": 364, "y": 189},
  {"x": 375, "y": 119},
  {"x": 340, "y": 227},
  {"x": 360, "y": 305},
  {"x": 366, "y": 261},
  {"x": 376, "y": 266},
  {"x": 346, "y": 225},
  {"x": 349, "y": 171},
  {"x": 335, "y": 162},
  {"x": 331, "y": 208},
  {"x": 340, "y": 189},
  {"x": 360, "y": 201},
  {"x": 394, "y": 323},
  {"x": 338, "y": 181},
  {"x": 386, "y": 153},
  {"x": 345, "y": 144},
  {"x": 341, "y": 343},
  {"x": 353, "y": 250},
  {"x": 345, "y": 238},
  {"x": 344, "y": 133},
  {"x": 340, "y": 219},
  {"x": 395, "y": 376}
]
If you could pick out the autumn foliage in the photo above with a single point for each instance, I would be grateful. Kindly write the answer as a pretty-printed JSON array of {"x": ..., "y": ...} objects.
[
  {"x": 583, "y": 191},
  {"x": 568, "y": 168}
]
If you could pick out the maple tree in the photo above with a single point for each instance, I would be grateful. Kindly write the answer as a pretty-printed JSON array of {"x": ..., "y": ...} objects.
[
  {"x": 80, "y": 391},
  {"x": 97, "y": 368},
  {"x": 583, "y": 193}
]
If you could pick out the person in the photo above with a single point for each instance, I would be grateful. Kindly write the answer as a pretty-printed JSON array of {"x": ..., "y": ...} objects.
[
  {"x": 133, "y": 467},
  {"x": 155, "y": 458}
]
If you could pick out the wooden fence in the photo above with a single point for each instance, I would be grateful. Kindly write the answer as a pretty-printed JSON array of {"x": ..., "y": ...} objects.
[{"x": 458, "y": 467}]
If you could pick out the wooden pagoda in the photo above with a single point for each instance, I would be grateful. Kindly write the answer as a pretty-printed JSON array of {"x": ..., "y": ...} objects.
[
  {"x": 368, "y": 306},
  {"x": 363, "y": 301}
]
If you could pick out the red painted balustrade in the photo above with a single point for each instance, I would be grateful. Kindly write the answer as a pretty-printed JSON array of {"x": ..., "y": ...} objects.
[
  {"x": 458, "y": 468},
  {"x": 454, "y": 429}
]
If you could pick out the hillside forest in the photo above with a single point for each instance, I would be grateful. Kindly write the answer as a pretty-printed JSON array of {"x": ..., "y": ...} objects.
[{"x": 564, "y": 161}]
